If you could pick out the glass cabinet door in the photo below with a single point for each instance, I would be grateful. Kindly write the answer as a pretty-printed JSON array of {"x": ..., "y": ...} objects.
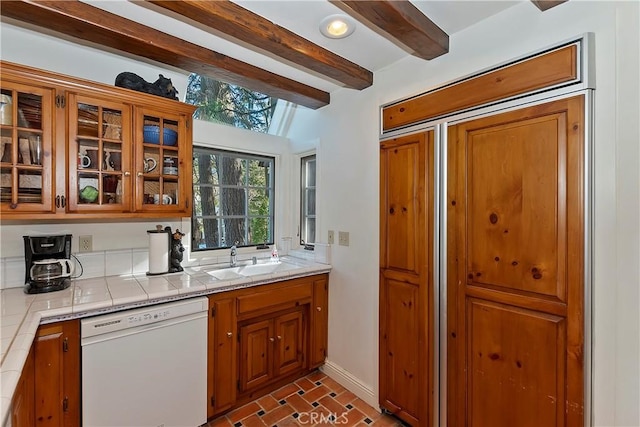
[
  {"x": 99, "y": 155},
  {"x": 26, "y": 173},
  {"x": 160, "y": 169}
]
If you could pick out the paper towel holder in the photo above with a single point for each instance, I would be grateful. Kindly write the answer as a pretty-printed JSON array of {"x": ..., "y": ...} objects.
[{"x": 159, "y": 247}]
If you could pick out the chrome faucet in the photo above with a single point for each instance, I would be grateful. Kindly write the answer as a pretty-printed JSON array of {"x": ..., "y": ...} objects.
[{"x": 234, "y": 252}]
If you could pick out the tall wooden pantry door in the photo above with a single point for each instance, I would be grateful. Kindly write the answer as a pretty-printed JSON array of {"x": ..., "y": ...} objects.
[
  {"x": 406, "y": 280},
  {"x": 516, "y": 268}
]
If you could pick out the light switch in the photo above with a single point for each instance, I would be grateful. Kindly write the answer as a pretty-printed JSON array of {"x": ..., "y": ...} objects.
[{"x": 343, "y": 238}]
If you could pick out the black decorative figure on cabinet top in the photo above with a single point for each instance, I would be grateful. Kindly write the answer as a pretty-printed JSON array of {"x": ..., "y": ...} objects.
[
  {"x": 176, "y": 250},
  {"x": 161, "y": 87}
]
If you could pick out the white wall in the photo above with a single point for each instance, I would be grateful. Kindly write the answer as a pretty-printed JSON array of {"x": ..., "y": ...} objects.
[{"x": 348, "y": 141}]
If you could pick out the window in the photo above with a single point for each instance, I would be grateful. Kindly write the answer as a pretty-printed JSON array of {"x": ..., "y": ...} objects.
[
  {"x": 308, "y": 201},
  {"x": 230, "y": 104},
  {"x": 233, "y": 196}
]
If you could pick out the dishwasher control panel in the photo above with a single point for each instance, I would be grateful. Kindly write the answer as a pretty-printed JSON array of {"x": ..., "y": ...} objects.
[{"x": 141, "y": 316}]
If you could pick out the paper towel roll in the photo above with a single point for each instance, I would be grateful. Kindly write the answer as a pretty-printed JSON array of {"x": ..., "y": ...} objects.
[{"x": 158, "y": 252}]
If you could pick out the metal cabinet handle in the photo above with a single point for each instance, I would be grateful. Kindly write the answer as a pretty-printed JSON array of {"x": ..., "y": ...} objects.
[
  {"x": 57, "y": 201},
  {"x": 279, "y": 337},
  {"x": 127, "y": 173},
  {"x": 271, "y": 339},
  {"x": 319, "y": 308},
  {"x": 139, "y": 174},
  {"x": 229, "y": 334}
]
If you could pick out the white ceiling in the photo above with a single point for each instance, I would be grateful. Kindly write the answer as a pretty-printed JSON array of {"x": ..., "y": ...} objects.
[{"x": 364, "y": 47}]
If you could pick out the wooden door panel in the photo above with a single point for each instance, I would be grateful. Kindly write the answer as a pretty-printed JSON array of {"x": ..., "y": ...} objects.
[
  {"x": 401, "y": 346},
  {"x": 49, "y": 380},
  {"x": 517, "y": 206},
  {"x": 22, "y": 405},
  {"x": 516, "y": 268},
  {"x": 256, "y": 354},
  {"x": 319, "y": 322},
  {"x": 402, "y": 166},
  {"x": 406, "y": 277},
  {"x": 289, "y": 336},
  {"x": 515, "y": 373},
  {"x": 223, "y": 373}
]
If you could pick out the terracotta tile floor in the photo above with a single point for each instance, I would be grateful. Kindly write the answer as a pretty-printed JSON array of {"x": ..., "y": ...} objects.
[{"x": 315, "y": 400}]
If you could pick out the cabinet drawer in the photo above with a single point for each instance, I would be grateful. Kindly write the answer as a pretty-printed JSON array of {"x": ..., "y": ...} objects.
[{"x": 286, "y": 296}]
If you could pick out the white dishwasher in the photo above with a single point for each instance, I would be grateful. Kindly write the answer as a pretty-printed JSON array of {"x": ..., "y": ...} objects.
[{"x": 146, "y": 367}]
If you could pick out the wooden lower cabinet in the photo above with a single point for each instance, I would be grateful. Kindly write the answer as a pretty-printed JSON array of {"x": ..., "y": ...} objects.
[
  {"x": 261, "y": 337},
  {"x": 222, "y": 360},
  {"x": 290, "y": 349},
  {"x": 320, "y": 322},
  {"x": 271, "y": 348},
  {"x": 48, "y": 392},
  {"x": 22, "y": 405}
]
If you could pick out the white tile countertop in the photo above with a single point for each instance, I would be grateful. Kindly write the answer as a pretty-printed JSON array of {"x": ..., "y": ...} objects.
[{"x": 20, "y": 313}]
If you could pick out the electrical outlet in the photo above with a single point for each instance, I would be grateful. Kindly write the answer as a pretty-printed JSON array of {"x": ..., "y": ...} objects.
[
  {"x": 85, "y": 243},
  {"x": 343, "y": 238},
  {"x": 331, "y": 237}
]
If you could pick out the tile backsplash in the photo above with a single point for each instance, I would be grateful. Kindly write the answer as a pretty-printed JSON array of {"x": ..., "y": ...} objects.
[
  {"x": 87, "y": 265},
  {"x": 117, "y": 262},
  {"x": 119, "y": 248}
]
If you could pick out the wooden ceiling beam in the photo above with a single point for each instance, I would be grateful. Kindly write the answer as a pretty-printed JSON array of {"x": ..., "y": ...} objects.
[
  {"x": 402, "y": 23},
  {"x": 233, "y": 22},
  {"x": 88, "y": 23},
  {"x": 547, "y": 4}
]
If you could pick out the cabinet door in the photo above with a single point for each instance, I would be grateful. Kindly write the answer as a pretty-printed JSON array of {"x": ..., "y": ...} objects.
[
  {"x": 99, "y": 155},
  {"x": 23, "y": 404},
  {"x": 290, "y": 346},
  {"x": 319, "y": 322},
  {"x": 256, "y": 354},
  {"x": 406, "y": 277},
  {"x": 26, "y": 149},
  {"x": 163, "y": 161},
  {"x": 57, "y": 374},
  {"x": 222, "y": 370}
]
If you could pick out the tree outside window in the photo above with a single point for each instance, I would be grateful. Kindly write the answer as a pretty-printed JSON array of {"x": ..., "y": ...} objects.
[
  {"x": 230, "y": 104},
  {"x": 233, "y": 199}
]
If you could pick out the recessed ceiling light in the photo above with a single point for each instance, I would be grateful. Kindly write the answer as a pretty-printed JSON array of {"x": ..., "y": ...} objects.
[{"x": 337, "y": 26}]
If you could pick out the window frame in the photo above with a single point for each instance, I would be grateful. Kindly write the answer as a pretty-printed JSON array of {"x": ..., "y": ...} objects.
[
  {"x": 271, "y": 217},
  {"x": 303, "y": 187}
]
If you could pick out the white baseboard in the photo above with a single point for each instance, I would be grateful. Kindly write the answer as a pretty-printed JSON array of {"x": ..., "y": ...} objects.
[{"x": 351, "y": 383}]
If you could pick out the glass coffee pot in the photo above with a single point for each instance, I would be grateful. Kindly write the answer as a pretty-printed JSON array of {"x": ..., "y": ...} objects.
[{"x": 50, "y": 269}]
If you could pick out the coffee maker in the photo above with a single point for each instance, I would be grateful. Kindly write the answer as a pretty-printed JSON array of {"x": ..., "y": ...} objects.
[{"x": 47, "y": 263}]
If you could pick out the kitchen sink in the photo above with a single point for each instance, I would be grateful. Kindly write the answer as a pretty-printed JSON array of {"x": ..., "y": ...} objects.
[
  {"x": 266, "y": 268},
  {"x": 225, "y": 274},
  {"x": 249, "y": 269}
]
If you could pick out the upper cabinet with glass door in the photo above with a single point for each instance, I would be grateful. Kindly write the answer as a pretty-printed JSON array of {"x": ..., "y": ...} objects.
[
  {"x": 26, "y": 149},
  {"x": 99, "y": 147},
  {"x": 163, "y": 161}
]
